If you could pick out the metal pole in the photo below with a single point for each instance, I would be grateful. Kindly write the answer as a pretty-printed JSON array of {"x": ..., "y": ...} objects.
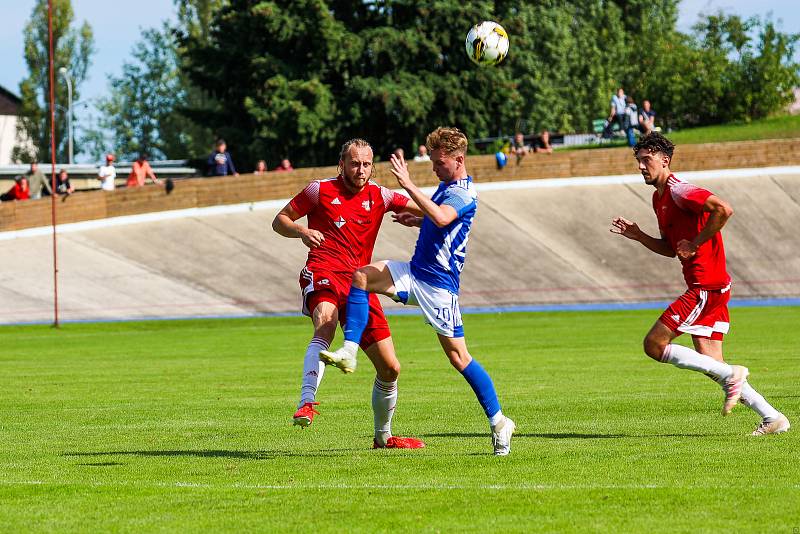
[
  {"x": 53, "y": 159},
  {"x": 65, "y": 73}
]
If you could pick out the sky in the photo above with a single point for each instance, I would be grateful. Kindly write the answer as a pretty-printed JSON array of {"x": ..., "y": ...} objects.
[{"x": 117, "y": 25}]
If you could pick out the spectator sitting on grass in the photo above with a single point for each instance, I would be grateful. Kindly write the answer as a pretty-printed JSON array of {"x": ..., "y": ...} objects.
[
  {"x": 220, "y": 162},
  {"x": 261, "y": 167},
  {"x": 647, "y": 118},
  {"x": 543, "y": 143},
  {"x": 285, "y": 165},
  {"x": 107, "y": 174},
  {"x": 422, "y": 154},
  {"x": 37, "y": 182},
  {"x": 140, "y": 171},
  {"x": 63, "y": 185},
  {"x": 19, "y": 191}
]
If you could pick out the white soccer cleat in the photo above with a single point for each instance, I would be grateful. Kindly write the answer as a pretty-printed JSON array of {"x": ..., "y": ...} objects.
[
  {"x": 778, "y": 426},
  {"x": 342, "y": 358},
  {"x": 501, "y": 437}
]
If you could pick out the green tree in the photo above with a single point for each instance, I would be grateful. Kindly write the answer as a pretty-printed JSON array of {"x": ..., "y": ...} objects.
[
  {"x": 141, "y": 113},
  {"x": 72, "y": 48},
  {"x": 299, "y": 77}
]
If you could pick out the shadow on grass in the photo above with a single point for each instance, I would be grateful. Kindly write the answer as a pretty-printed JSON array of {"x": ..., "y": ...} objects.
[
  {"x": 566, "y": 435},
  {"x": 246, "y": 455}
]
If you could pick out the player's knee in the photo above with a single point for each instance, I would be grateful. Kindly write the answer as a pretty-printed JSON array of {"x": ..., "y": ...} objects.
[
  {"x": 458, "y": 360},
  {"x": 654, "y": 347},
  {"x": 391, "y": 372},
  {"x": 360, "y": 278},
  {"x": 325, "y": 327}
]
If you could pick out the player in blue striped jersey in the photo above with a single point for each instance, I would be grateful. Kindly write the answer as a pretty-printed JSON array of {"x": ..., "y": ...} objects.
[{"x": 431, "y": 279}]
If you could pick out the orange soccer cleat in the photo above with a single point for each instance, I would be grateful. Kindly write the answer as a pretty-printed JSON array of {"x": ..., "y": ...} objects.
[
  {"x": 396, "y": 442},
  {"x": 304, "y": 415}
]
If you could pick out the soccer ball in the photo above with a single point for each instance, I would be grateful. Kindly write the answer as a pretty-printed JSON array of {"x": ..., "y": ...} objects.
[{"x": 487, "y": 43}]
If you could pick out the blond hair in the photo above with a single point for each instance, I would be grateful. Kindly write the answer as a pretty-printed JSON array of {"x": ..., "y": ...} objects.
[
  {"x": 449, "y": 140},
  {"x": 355, "y": 142}
]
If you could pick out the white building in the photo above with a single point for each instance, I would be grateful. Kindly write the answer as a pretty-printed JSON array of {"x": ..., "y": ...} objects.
[{"x": 9, "y": 110}]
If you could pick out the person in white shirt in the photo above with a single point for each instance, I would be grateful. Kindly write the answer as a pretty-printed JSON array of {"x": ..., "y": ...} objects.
[
  {"x": 422, "y": 154},
  {"x": 107, "y": 174}
]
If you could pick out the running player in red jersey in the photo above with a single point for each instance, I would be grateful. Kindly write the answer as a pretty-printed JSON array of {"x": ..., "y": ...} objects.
[
  {"x": 344, "y": 216},
  {"x": 690, "y": 219}
]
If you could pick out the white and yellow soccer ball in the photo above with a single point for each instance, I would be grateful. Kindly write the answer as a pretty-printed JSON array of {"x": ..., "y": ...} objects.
[{"x": 487, "y": 43}]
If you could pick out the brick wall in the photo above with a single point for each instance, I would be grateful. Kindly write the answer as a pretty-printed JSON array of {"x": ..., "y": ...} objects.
[{"x": 198, "y": 192}]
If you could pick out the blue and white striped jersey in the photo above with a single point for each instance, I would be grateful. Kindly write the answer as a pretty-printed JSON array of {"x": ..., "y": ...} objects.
[{"x": 440, "y": 252}]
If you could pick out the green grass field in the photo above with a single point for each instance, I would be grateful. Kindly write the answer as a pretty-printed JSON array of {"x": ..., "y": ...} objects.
[{"x": 185, "y": 426}]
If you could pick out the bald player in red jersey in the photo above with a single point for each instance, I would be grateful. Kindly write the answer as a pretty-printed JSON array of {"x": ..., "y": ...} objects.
[
  {"x": 344, "y": 215},
  {"x": 690, "y": 219}
]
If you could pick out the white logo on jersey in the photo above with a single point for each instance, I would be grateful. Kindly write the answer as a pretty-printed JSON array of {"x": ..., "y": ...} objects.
[
  {"x": 367, "y": 204},
  {"x": 339, "y": 222},
  {"x": 676, "y": 317},
  {"x": 336, "y": 201}
]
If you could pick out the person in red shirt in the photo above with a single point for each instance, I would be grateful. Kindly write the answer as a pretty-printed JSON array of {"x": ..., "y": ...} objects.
[
  {"x": 19, "y": 191},
  {"x": 140, "y": 171},
  {"x": 690, "y": 219},
  {"x": 344, "y": 215}
]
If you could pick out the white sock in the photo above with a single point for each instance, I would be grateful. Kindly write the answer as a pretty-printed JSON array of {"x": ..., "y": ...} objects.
[
  {"x": 496, "y": 419},
  {"x": 351, "y": 347},
  {"x": 686, "y": 358},
  {"x": 756, "y": 402},
  {"x": 384, "y": 398},
  {"x": 313, "y": 370}
]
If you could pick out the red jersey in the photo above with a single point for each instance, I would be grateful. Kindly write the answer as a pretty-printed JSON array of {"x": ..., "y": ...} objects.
[
  {"x": 349, "y": 222},
  {"x": 680, "y": 216}
]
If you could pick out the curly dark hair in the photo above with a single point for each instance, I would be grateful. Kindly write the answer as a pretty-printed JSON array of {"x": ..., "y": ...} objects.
[{"x": 654, "y": 142}]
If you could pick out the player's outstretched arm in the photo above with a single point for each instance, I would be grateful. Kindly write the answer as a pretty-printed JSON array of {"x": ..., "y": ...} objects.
[
  {"x": 285, "y": 225},
  {"x": 440, "y": 215},
  {"x": 413, "y": 209},
  {"x": 719, "y": 213},
  {"x": 407, "y": 219},
  {"x": 631, "y": 230}
]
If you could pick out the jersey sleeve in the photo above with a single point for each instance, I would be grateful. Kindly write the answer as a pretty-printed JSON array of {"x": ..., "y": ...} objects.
[
  {"x": 306, "y": 199},
  {"x": 393, "y": 201},
  {"x": 459, "y": 199},
  {"x": 689, "y": 197}
]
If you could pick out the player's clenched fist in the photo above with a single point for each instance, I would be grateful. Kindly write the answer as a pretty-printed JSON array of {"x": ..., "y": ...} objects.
[
  {"x": 312, "y": 238},
  {"x": 626, "y": 228},
  {"x": 685, "y": 249}
]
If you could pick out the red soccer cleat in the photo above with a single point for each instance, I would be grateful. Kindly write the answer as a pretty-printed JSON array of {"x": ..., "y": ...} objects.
[
  {"x": 304, "y": 416},
  {"x": 396, "y": 442}
]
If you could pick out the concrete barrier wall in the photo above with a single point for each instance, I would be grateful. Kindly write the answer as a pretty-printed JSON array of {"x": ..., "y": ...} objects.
[
  {"x": 529, "y": 246},
  {"x": 201, "y": 192}
]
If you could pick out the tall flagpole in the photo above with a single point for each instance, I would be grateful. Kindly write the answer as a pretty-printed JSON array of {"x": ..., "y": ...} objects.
[{"x": 53, "y": 162}]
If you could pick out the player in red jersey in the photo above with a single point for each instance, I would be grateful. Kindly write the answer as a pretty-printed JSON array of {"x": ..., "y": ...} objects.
[
  {"x": 690, "y": 219},
  {"x": 344, "y": 215}
]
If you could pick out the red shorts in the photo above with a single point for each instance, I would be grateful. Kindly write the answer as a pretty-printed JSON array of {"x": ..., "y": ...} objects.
[
  {"x": 699, "y": 312},
  {"x": 320, "y": 286}
]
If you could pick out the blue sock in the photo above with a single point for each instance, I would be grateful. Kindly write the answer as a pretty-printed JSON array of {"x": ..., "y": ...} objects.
[
  {"x": 482, "y": 385},
  {"x": 357, "y": 314}
]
